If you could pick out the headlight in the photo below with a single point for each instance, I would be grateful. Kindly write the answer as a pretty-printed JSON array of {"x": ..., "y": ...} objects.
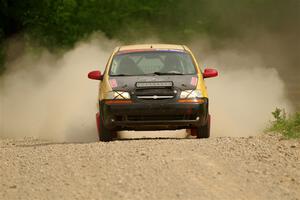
[
  {"x": 117, "y": 95},
  {"x": 191, "y": 94}
]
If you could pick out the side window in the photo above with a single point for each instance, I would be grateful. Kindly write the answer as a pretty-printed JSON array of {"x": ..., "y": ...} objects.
[{"x": 114, "y": 65}]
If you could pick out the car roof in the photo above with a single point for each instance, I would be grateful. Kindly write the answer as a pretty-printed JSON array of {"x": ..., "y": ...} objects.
[{"x": 147, "y": 47}]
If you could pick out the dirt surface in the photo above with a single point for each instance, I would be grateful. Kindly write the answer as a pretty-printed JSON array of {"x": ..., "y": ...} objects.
[{"x": 264, "y": 167}]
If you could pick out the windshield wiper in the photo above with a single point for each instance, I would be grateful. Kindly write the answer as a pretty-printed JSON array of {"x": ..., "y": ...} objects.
[
  {"x": 167, "y": 73},
  {"x": 154, "y": 73}
]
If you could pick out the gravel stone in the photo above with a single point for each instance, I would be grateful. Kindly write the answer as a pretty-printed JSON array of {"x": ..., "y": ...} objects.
[{"x": 262, "y": 167}]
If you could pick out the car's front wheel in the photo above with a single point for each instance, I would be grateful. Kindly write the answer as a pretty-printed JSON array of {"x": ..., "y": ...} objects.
[{"x": 105, "y": 135}]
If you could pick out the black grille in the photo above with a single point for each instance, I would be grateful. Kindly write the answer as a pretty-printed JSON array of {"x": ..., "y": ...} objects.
[{"x": 155, "y": 93}]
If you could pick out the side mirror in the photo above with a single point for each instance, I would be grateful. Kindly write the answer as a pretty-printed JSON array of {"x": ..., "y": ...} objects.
[
  {"x": 95, "y": 75},
  {"x": 209, "y": 73}
]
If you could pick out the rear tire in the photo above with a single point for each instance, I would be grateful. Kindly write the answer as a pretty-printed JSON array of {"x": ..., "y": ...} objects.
[
  {"x": 204, "y": 131},
  {"x": 105, "y": 135}
]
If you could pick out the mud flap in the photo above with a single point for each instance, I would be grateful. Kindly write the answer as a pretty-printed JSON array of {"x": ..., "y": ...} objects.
[
  {"x": 98, "y": 121},
  {"x": 193, "y": 131}
]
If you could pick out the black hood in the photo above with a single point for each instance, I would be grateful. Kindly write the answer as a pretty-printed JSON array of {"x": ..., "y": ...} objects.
[{"x": 129, "y": 83}]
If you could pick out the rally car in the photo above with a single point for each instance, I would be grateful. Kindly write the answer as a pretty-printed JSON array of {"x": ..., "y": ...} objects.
[{"x": 152, "y": 87}]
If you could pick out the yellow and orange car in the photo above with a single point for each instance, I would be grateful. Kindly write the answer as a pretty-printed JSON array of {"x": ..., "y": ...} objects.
[{"x": 152, "y": 87}]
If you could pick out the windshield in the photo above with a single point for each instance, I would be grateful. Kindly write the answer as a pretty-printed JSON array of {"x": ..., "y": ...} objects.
[{"x": 152, "y": 62}]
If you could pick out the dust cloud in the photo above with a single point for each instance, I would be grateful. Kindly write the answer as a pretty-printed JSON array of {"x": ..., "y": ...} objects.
[
  {"x": 49, "y": 97},
  {"x": 246, "y": 91},
  {"x": 242, "y": 98}
]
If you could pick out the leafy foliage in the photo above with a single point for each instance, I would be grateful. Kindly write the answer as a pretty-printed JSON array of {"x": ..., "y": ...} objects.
[
  {"x": 288, "y": 126},
  {"x": 61, "y": 23}
]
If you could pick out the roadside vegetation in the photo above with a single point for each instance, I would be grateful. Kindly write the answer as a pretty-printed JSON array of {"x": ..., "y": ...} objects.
[
  {"x": 60, "y": 24},
  {"x": 287, "y": 125}
]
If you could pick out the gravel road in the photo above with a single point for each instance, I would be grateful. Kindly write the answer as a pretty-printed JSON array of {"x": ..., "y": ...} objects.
[{"x": 264, "y": 167}]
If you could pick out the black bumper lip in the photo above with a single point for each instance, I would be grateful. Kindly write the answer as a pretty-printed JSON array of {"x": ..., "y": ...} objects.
[
  {"x": 157, "y": 122},
  {"x": 155, "y": 125},
  {"x": 142, "y": 116}
]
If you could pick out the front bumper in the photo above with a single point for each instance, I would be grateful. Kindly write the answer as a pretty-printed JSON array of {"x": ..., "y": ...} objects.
[{"x": 154, "y": 116}]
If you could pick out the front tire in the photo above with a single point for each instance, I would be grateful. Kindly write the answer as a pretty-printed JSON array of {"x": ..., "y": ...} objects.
[
  {"x": 204, "y": 131},
  {"x": 105, "y": 135}
]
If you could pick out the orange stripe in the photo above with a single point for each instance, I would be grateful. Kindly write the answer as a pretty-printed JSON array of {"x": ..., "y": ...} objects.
[
  {"x": 191, "y": 101},
  {"x": 109, "y": 102}
]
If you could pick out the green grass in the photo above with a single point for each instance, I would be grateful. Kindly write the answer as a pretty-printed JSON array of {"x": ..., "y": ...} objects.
[{"x": 287, "y": 125}]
